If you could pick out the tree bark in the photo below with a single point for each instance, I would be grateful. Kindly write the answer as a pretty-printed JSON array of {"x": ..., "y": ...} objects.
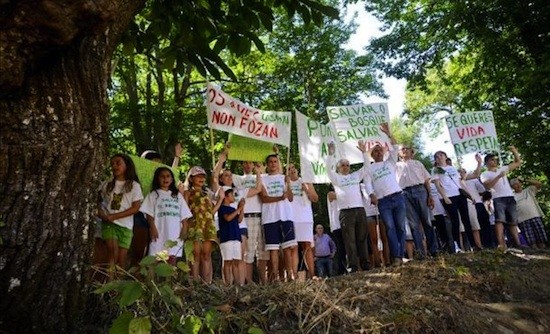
[{"x": 54, "y": 67}]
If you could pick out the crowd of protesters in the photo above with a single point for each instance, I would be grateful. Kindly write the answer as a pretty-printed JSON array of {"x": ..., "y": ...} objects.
[{"x": 390, "y": 211}]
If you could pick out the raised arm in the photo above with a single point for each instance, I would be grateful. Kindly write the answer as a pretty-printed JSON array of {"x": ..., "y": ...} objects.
[
  {"x": 477, "y": 172},
  {"x": 218, "y": 168},
  {"x": 330, "y": 163},
  {"x": 517, "y": 159},
  {"x": 385, "y": 128},
  {"x": 178, "y": 152},
  {"x": 536, "y": 183},
  {"x": 364, "y": 171}
]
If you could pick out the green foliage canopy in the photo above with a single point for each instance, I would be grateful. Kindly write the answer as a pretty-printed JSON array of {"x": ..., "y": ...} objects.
[{"x": 487, "y": 54}]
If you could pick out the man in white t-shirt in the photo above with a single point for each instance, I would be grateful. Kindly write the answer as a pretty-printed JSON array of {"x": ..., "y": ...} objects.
[
  {"x": 353, "y": 218},
  {"x": 389, "y": 196},
  {"x": 495, "y": 178},
  {"x": 414, "y": 179},
  {"x": 277, "y": 218}
]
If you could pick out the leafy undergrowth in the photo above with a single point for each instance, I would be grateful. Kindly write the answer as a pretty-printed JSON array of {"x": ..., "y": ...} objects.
[{"x": 488, "y": 291}]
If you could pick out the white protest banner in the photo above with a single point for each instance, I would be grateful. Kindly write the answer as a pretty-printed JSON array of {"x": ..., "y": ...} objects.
[
  {"x": 472, "y": 132},
  {"x": 228, "y": 114},
  {"x": 359, "y": 122},
  {"x": 313, "y": 139}
]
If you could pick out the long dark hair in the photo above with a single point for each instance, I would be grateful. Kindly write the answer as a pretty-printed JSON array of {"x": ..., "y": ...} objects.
[
  {"x": 130, "y": 175},
  {"x": 232, "y": 185},
  {"x": 156, "y": 183}
]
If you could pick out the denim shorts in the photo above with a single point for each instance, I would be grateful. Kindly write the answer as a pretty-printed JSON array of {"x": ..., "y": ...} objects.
[{"x": 505, "y": 210}]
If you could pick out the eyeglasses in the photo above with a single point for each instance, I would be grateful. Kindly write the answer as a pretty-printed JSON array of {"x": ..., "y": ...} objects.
[
  {"x": 405, "y": 148},
  {"x": 344, "y": 165}
]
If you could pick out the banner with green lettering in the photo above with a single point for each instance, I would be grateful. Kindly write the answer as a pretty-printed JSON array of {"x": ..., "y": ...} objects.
[
  {"x": 472, "y": 132},
  {"x": 313, "y": 139},
  {"x": 359, "y": 122},
  {"x": 246, "y": 149}
]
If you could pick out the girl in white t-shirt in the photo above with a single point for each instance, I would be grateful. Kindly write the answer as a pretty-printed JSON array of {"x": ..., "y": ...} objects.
[
  {"x": 120, "y": 199},
  {"x": 167, "y": 215}
]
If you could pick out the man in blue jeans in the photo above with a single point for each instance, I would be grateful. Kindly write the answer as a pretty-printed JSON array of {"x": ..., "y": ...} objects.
[
  {"x": 389, "y": 196},
  {"x": 414, "y": 179},
  {"x": 325, "y": 249}
]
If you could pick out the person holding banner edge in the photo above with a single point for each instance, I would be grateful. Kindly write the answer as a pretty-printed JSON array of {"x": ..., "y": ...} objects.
[
  {"x": 224, "y": 178},
  {"x": 353, "y": 218}
]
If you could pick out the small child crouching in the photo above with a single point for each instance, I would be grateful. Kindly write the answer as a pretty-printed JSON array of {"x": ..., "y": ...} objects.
[{"x": 230, "y": 237}]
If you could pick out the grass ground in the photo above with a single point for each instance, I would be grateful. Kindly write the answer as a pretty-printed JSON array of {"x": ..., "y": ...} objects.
[{"x": 483, "y": 292}]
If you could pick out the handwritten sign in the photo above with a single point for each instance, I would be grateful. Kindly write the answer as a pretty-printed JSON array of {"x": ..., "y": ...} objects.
[
  {"x": 313, "y": 140},
  {"x": 359, "y": 122},
  {"x": 228, "y": 114},
  {"x": 472, "y": 132},
  {"x": 246, "y": 149}
]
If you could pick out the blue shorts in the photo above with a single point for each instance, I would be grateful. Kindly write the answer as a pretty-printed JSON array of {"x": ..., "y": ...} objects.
[
  {"x": 244, "y": 232},
  {"x": 279, "y": 234},
  {"x": 505, "y": 210}
]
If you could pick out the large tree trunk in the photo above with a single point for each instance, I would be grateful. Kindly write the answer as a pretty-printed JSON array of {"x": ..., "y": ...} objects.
[{"x": 54, "y": 68}]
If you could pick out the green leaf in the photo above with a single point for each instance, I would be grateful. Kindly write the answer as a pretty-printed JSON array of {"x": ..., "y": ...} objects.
[
  {"x": 255, "y": 330},
  {"x": 128, "y": 48},
  {"x": 170, "y": 243},
  {"x": 131, "y": 292},
  {"x": 221, "y": 43},
  {"x": 183, "y": 266},
  {"x": 169, "y": 296},
  {"x": 211, "y": 320},
  {"x": 258, "y": 42},
  {"x": 147, "y": 261},
  {"x": 121, "y": 325},
  {"x": 164, "y": 270},
  {"x": 192, "y": 324},
  {"x": 267, "y": 21},
  {"x": 141, "y": 325},
  {"x": 211, "y": 69},
  {"x": 188, "y": 248},
  {"x": 114, "y": 285}
]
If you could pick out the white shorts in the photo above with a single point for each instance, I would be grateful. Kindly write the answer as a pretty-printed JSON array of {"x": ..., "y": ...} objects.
[
  {"x": 304, "y": 232},
  {"x": 231, "y": 250},
  {"x": 472, "y": 213},
  {"x": 408, "y": 232}
]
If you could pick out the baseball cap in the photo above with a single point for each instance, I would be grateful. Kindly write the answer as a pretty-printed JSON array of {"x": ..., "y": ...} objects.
[{"x": 196, "y": 170}]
